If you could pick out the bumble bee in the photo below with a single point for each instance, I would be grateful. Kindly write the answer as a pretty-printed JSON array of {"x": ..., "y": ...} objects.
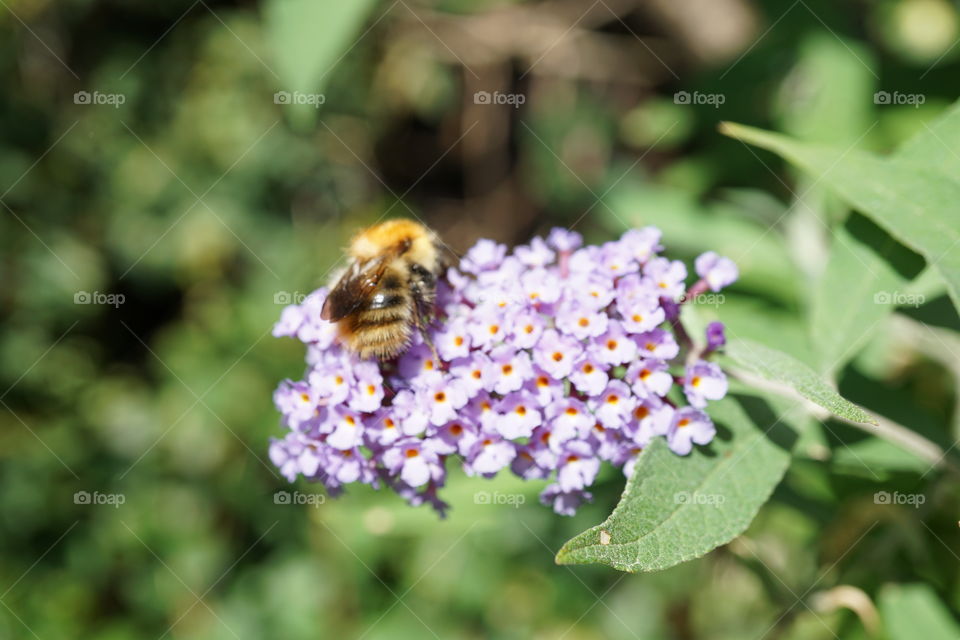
[{"x": 388, "y": 289}]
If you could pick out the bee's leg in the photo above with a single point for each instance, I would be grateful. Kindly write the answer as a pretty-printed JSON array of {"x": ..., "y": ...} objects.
[{"x": 423, "y": 316}]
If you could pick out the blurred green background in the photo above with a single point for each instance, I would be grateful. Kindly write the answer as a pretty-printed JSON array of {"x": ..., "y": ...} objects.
[{"x": 163, "y": 198}]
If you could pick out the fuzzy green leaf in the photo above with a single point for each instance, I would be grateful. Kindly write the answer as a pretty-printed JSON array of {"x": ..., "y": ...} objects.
[
  {"x": 676, "y": 508},
  {"x": 914, "y": 611},
  {"x": 913, "y": 200},
  {"x": 778, "y": 367}
]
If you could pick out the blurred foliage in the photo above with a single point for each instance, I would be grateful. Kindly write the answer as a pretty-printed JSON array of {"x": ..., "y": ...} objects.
[{"x": 206, "y": 205}]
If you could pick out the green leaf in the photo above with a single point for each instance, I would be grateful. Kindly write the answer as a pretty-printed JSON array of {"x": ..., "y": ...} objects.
[
  {"x": 936, "y": 145},
  {"x": 778, "y": 367},
  {"x": 914, "y": 611},
  {"x": 676, "y": 508},
  {"x": 308, "y": 39},
  {"x": 914, "y": 201},
  {"x": 858, "y": 289}
]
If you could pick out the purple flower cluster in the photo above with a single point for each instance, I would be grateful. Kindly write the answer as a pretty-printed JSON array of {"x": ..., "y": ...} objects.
[{"x": 546, "y": 361}]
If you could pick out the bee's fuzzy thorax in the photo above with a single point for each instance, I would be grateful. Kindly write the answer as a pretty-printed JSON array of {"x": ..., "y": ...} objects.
[{"x": 370, "y": 243}]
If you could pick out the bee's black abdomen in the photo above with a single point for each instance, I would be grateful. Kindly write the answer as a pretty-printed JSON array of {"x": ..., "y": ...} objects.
[{"x": 386, "y": 300}]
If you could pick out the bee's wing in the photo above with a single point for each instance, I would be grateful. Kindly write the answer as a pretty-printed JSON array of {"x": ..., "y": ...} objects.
[{"x": 353, "y": 289}]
